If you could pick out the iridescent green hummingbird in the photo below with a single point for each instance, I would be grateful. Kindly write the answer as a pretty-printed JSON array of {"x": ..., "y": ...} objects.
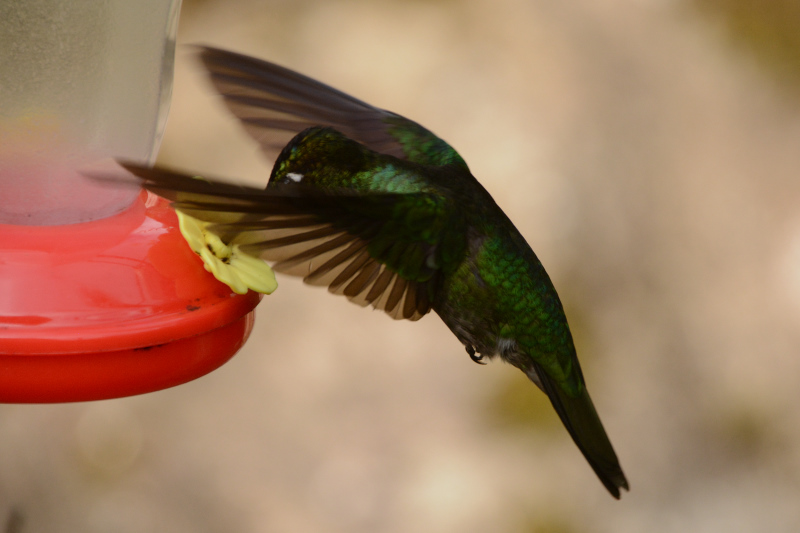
[{"x": 379, "y": 209}]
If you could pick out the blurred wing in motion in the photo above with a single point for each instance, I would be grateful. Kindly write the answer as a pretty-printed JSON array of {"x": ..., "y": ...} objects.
[
  {"x": 275, "y": 103},
  {"x": 364, "y": 247}
]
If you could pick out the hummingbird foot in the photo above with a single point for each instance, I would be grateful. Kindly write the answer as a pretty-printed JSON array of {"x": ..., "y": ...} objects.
[{"x": 478, "y": 358}]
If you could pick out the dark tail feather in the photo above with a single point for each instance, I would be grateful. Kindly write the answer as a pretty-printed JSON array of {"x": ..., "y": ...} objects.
[{"x": 581, "y": 420}]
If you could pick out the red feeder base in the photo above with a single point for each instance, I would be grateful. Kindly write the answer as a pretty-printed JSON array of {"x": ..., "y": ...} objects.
[{"x": 111, "y": 308}]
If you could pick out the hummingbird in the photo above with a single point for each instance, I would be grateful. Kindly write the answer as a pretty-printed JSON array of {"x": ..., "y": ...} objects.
[{"x": 379, "y": 209}]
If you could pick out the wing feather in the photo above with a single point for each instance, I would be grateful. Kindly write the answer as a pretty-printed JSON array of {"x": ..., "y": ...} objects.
[
  {"x": 275, "y": 103},
  {"x": 348, "y": 243}
]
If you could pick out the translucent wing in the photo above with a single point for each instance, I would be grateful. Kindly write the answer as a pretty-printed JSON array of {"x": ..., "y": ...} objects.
[
  {"x": 351, "y": 244},
  {"x": 275, "y": 103}
]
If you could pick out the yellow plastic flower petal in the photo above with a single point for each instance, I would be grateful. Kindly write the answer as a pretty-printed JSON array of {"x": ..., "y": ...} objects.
[{"x": 227, "y": 262}]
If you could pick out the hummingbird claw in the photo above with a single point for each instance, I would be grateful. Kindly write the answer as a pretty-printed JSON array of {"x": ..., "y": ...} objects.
[{"x": 478, "y": 358}]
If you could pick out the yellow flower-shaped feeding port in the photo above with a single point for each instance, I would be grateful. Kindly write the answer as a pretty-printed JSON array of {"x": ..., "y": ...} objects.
[{"x": 227, "y": 262}]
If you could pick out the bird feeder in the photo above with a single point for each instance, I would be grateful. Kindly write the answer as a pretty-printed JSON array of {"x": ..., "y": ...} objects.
[{"x": 100, "y": 295}]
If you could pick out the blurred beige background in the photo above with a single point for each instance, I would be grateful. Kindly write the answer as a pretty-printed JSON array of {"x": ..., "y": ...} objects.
[{"x": 649, "y": 150}]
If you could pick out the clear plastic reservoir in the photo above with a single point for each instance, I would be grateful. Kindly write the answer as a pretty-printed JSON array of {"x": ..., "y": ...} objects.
[{"x": 81, "y": 82}]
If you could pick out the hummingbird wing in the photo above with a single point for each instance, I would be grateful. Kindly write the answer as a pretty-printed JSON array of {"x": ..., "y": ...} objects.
[
  {"x": 387, "y": 250},
  {"x": 275, "y": 103}
]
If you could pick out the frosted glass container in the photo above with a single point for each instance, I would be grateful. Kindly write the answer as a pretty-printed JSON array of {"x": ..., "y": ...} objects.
[{"x": 81, "y": 82}]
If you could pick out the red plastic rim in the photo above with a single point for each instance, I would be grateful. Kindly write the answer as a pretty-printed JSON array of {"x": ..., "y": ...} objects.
[{"x": 122, "y": 300}]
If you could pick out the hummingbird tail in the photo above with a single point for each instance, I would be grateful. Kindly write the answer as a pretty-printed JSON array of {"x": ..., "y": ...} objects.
[{"x": 581, "y": 420}]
